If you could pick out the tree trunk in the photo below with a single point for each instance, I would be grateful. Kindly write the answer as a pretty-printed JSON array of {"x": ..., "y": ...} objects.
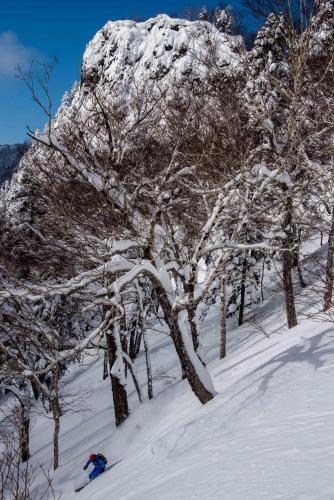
[
  {"x": 123, "y": 340},
  {"x": 188, "y": 361},
  {"x": 328, "y": 295},
  {"x": 288, "y": 265},
  {"x": 56, "y": 443},
  {"x": 120, "y": 397},
  {"x": 300, "y": 274},
  {"x": 197, "y": 375},
  {"x": 262, "y": 279},
  {"x": 223, "y": 318},
  {"x": 132, "y": 342},
  {"x": 192, "y": 311},
  {"x": 148, "y": 367},
  {"x": 297, "y": 264},
  {"x": 135, "y": 341},
  {"x": 242, "y": 291},
  {"x": 192, "y": 308},
  {"x": 35, "y": 389},
  {"x": 193, "y": 327},
  {"x": 24, "y": 425},
  {"x": 56, "y": 413},
  {"x": 105, "y": 365},
  {"x": 124, "y": 344},
  {"x": 296, "y": 257},
  {"x": 135, "y": 381},
  {"x": 24, "y": 434}
]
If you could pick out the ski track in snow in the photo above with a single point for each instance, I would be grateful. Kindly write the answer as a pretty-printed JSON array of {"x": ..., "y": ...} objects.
[{"x": 268, "y": 433}]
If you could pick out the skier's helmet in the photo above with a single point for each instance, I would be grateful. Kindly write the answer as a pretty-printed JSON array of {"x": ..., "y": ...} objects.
[{"x": 92, "y": 457}]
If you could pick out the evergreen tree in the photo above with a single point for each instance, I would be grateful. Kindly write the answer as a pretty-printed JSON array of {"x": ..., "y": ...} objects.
[
  {"x": 223, "y": 20},
  {"x": 204, "y": 14}
]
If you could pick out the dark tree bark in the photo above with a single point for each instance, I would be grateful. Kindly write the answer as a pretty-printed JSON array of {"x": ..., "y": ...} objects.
[
  {"x": 120, "y": 397},
  {"x": 328, "y": 295},
  {"x": 105, "y": 365},
  {"x": 223, "y": 318},
  {"x": 242, "y": 291},
  {"x": 193, "y": 327},
  {"x": 24, "y": 434},
  {"x": 24, "y": 425},
  {"x": 192, "y": 308},
  {"x": 135, "y": 381},
  {"x": 56, "y": 413},
  {"x": 296, "y": 257},
  {"x": 35, "y": 389},
  {"x": 262, "y": 279},
  {"x": 302, "y": 282},
  {"x": 135, "y": 341},
  {"x": 288, "y": 265},
  {"x": 195, "y": 382},
  {"x": 132, "y": 342},
  {"x": 148, "y": 368},
  {"x": 124, "y": 343},
  {"x": 188, "y": 368},
  {"x": 171, "y": 317}
]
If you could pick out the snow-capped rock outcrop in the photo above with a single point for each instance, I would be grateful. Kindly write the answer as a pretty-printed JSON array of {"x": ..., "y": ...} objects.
[
  {"x": 125, "y": 50},
  {"x": 128, "y": 52}
]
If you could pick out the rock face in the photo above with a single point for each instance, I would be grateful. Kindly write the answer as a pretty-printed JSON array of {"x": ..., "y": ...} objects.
[
  {"x": 125, "y": 53},
  {"x": 125, "y": 50}
]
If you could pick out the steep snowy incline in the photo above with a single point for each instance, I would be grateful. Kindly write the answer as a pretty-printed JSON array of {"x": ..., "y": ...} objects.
[{"x": 268, "y": 434}]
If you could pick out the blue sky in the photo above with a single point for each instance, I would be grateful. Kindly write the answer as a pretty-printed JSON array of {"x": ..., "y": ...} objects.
[{"x": 38, "y": 29}]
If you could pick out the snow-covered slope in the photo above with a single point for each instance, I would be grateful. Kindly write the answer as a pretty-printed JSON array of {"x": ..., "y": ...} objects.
[
  {"x": 268, "y": 434},
  {"x": 269, "y": 431}
]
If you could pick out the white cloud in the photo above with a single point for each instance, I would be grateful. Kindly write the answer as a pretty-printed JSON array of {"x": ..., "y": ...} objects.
[{"x": 12, "y": 53}]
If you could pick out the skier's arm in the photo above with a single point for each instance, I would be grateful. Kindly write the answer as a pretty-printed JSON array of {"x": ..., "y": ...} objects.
[{"x": 88, "y": 462}]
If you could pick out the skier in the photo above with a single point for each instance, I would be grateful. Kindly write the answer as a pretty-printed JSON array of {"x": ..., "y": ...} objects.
[{"x": 99, "y": 461}]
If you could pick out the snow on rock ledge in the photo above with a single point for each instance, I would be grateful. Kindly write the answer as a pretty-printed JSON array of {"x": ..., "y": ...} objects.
[{"x": 124, "y": 50}]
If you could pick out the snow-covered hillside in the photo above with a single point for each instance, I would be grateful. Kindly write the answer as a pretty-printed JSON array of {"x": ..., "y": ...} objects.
[
  {"x": 184, "y": 187},
  {"x": 267, "y": 434}
]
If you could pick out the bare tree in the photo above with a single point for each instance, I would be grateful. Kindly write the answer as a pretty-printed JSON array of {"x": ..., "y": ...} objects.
[{"x": 16, "y": 479}]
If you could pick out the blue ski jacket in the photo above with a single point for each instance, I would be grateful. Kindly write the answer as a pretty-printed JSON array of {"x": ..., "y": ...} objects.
[{"x": 98, "y": 463}]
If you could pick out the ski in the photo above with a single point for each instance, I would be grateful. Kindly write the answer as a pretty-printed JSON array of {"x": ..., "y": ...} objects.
[{"x": 81, "y": 487}]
